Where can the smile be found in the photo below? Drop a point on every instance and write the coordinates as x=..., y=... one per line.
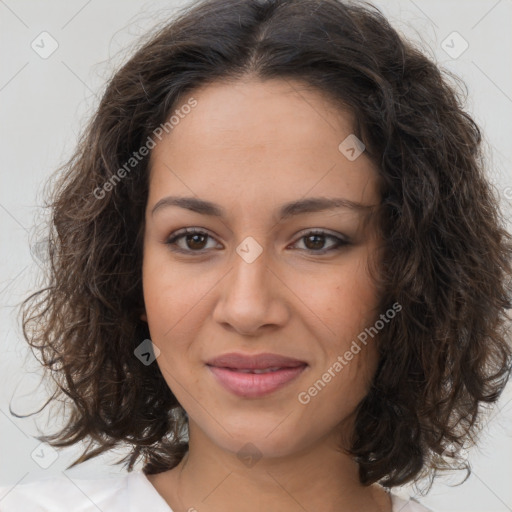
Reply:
x=254, y=383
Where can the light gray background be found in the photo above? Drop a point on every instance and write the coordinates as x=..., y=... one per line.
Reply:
x=44, y=103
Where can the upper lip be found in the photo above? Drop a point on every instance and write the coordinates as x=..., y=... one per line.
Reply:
x=254, y=361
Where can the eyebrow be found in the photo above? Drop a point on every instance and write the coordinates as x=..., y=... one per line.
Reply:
x=301, y=206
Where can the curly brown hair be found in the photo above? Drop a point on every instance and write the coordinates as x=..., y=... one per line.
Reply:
x=446, y=260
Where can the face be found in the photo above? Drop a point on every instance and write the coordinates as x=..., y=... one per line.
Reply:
x=253, y=277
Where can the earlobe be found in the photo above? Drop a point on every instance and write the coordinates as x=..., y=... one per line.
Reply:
x=144, y=317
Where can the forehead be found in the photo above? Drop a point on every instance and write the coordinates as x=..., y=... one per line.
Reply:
x=277, y=136
x=240, y=114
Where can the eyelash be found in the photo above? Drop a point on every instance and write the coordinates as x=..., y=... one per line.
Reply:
x=171, y=241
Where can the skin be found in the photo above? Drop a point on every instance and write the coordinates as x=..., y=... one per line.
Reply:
x=251, y=146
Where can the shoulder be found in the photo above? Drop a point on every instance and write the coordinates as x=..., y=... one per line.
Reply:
x=407, y=505
x=62, y=492
x=124, y=493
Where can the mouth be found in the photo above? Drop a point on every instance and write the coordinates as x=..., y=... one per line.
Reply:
x=257, y=371
x=255, y=376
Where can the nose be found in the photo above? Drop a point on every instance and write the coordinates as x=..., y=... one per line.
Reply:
x=252, y=297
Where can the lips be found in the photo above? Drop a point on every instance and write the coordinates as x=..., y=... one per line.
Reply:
x=254, y=362
x=255, y=376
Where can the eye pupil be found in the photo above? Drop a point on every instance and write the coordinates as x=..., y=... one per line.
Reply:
x=195, y=237
x=317, y=244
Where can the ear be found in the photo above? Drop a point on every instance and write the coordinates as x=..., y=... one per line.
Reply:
x=144, y=317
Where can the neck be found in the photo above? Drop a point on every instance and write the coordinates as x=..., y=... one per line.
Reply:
x=316, y=478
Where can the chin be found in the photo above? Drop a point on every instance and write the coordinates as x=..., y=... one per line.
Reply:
x=266, y=439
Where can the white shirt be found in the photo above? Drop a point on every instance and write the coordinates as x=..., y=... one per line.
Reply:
x=130, y=492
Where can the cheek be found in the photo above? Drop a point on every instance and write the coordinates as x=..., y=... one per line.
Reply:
x=356, y=311
x=333, y=392
x=176, y=305
x=171, y=297
x=344, y=299
x=169, y=305
x=347, y=303
x=164, y=307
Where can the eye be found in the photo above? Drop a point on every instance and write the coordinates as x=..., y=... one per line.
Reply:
x=315, y=241
x=194, y=240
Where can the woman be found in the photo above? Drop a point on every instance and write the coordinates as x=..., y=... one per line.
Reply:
x=278, y=272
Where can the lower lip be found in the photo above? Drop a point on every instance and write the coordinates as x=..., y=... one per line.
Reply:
x=253, y=385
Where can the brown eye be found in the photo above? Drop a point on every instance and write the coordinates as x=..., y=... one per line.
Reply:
x=196, y=241
x=192, y=240
x=189, y=240
x=314, y=241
